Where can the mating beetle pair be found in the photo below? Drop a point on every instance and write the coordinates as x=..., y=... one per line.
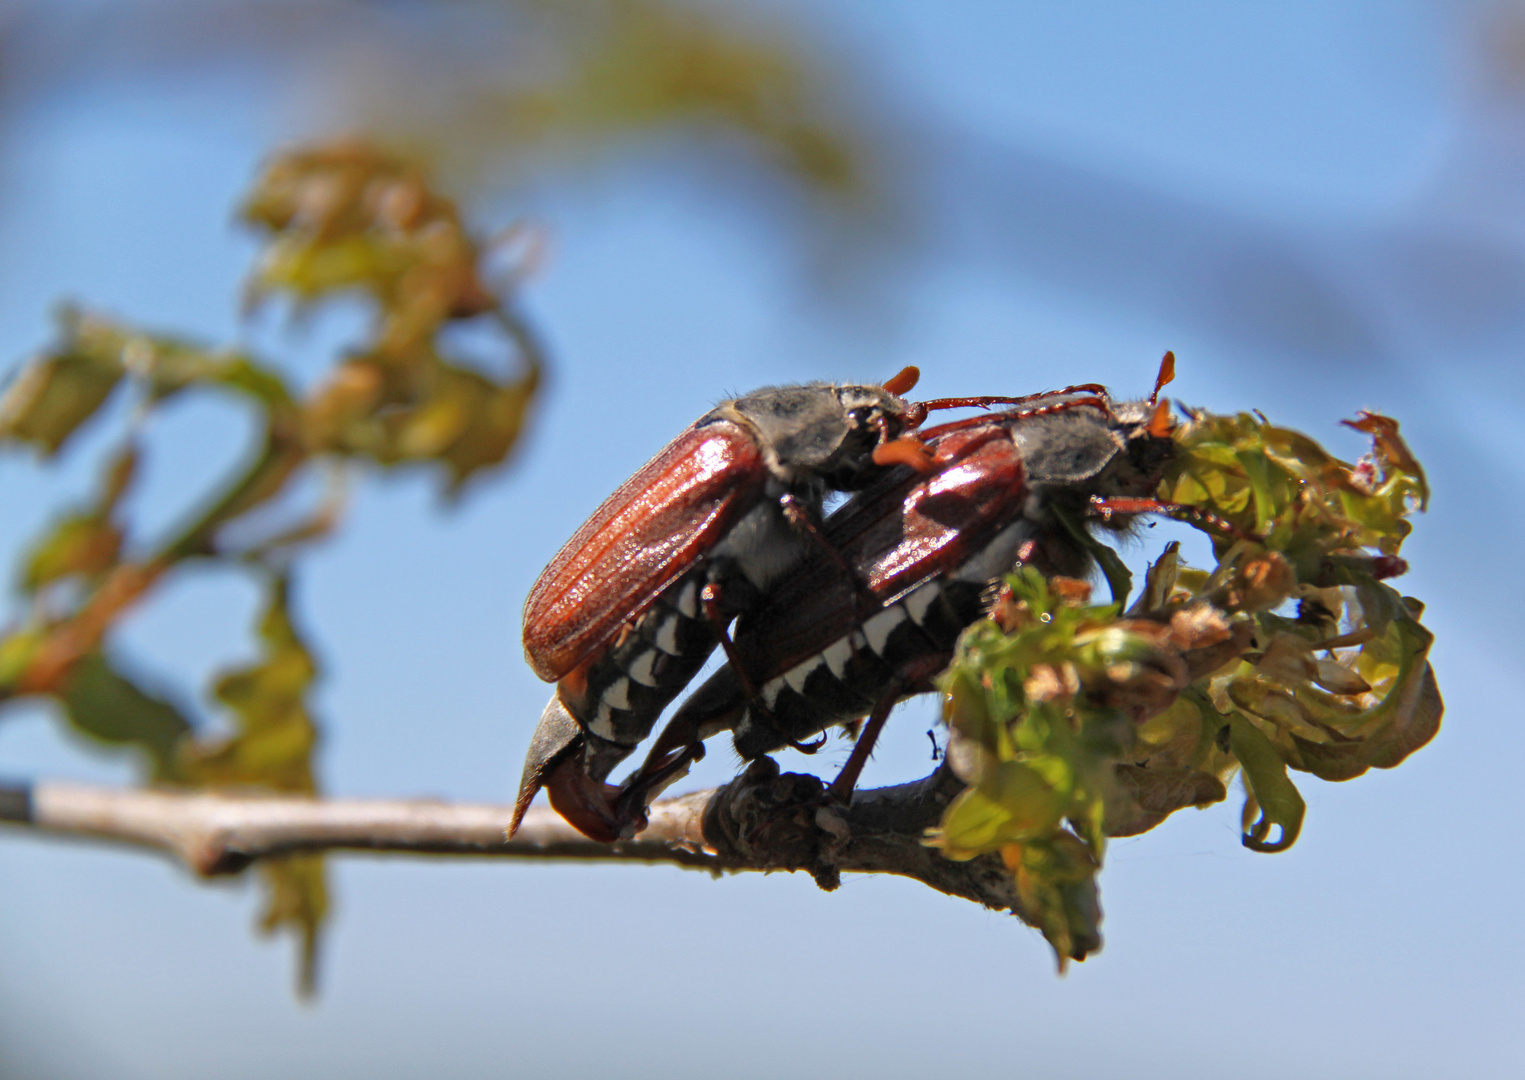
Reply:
x=836, y=621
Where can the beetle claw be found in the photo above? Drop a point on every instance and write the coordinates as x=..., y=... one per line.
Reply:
x=810, y=747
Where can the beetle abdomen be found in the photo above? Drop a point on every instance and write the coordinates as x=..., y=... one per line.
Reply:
x=621, y=692
x=844, y=681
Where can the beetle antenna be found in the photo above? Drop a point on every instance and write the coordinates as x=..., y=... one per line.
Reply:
x=904, y=381
x=1167, y=373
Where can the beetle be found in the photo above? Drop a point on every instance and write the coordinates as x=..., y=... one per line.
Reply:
x=1005, y=490
x=634, y=603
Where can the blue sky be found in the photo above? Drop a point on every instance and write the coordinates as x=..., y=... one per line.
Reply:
x=1317, y=206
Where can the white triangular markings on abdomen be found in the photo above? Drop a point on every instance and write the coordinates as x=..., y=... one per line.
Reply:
x=878, y=629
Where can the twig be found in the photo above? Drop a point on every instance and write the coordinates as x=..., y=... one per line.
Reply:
x=760, y=821
x=216, y=833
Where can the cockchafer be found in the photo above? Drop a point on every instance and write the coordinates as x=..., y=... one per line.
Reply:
x=632, y=606
x=827, y=649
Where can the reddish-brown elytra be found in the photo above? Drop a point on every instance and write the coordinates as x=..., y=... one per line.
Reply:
x=631, y=607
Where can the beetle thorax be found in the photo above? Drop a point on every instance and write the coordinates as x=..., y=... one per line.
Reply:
x=818, y=431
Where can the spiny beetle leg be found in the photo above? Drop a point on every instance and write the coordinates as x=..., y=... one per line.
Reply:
x=915, y=676
x=1106, y=507
x=985, y=402
x=1091, y=401
x=800, y=517
x=710, y=599
x=841, y=789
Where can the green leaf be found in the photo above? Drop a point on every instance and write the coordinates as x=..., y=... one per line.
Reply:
x=79, y=544
x=1265, y=774
x=54, y=396
x=1119, y=577
x=272, y=748
x=107, y=706
x=1014, y=802
x=1056, y=882
x=275, y=735
x=296, y=899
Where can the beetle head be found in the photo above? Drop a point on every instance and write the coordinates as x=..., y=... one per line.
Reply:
x=1146, y=428
x=1088, y=446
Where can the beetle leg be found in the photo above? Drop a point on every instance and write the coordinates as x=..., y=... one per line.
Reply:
x=914, y=675
x=1106, y=507
x=1090, y=401
x=985, y=402
x=709, y=599
x=798, y=516
x=635, y=797
x=841, y=789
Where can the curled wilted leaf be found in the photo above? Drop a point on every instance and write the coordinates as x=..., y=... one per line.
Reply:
x=1274, y=796
x=1397, y=459
x=1405, y=716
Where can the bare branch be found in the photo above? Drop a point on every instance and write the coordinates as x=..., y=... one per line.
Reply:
x=762, y=820
x=222, y=833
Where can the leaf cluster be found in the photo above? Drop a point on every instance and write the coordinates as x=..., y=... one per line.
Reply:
x=1071, y=722
x=341, y=221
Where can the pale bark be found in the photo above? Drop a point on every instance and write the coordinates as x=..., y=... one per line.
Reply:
x=760, y=821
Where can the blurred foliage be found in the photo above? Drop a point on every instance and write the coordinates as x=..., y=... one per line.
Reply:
x=1072, y=721
x=502, y=94
x=340, y=220
x=597, y=74
x=492, y=91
